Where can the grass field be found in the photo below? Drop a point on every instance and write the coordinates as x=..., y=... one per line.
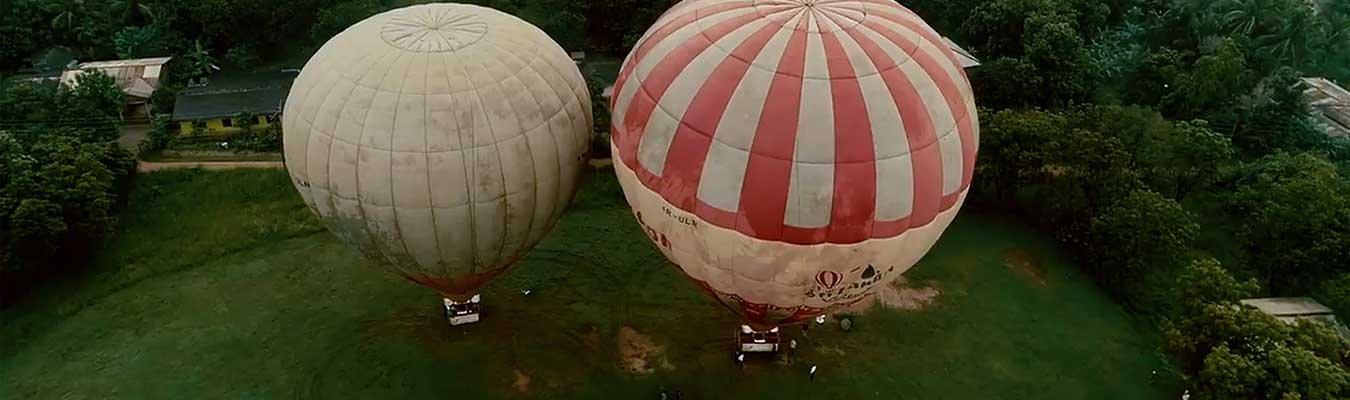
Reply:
x=220, y=285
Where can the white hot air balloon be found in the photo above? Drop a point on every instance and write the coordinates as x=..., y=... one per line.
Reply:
x=442, y=141
x=791, y=155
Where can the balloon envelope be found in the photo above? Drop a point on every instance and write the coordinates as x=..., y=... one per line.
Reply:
x=791, y=155
x=442, y=140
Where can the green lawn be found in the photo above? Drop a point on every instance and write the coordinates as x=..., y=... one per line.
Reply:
x=220, y=285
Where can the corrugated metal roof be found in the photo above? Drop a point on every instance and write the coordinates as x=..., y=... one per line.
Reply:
x=1330, y=104
x=138, y=62
x=1289, y=306
x=229, y=94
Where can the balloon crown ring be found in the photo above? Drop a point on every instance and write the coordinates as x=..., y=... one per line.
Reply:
x=433, y=30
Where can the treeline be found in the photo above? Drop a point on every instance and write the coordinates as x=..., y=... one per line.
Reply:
x=1168, y=146
x=61, y=176
x=229, y=30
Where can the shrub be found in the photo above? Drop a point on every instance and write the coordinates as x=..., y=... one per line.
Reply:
x=1141, y=235
x=161, y=135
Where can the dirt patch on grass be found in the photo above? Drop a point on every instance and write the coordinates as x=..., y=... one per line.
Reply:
x=639, y=354
x=1026, y=264
x=898, y=295
x=522, y=382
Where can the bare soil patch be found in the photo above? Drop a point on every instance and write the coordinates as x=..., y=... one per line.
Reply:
x=899, y=296
x=639, y=354
x=1024, y=263
x=522, y=382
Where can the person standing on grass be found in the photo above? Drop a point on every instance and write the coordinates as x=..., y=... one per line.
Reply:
x=740, y=360
x=813, y=372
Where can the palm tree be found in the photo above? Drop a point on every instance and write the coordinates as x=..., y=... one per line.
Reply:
x=1291, y=39
x=136, y=14
x=1247, y=16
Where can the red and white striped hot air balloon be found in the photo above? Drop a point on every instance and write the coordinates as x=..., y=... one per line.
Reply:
x=790, y=155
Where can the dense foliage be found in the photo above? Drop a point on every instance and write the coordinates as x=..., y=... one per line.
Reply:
x=1199, y=145
x=60, y=174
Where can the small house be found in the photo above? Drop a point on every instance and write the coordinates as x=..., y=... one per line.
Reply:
x=1330, y=106
x=139, y=78
x=1292, y=309
x=213, y=107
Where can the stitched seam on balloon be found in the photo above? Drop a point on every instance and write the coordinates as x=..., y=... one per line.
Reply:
x=501, y=172
x=529, y=228
x=426, y=158
x=393, y=197
x=360, y=205
x=506, y=203
x=561, y=75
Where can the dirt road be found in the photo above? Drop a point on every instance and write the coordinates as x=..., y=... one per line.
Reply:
x=209, y=165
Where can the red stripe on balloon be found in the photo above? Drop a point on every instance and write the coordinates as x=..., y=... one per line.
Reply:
x=714, y=215
x=925, y=154
x=915, y=24
x=689, y=148
x=889, y=229
x=627, y=137
x=666, y=30
x=659, y=80
x=855, y=172
x=768, y=171
x=951, y=93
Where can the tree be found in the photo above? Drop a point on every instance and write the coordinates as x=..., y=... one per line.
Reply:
x=93, y=105
x=243, y=57
x=1216, y=80
x=84, y=24
x=334, y=19
x=1204, y=282
x=1226, y=375
x=1173, y=158
x=97, y=92
x=1138, y=243
x=139, y=42
x=1013, y=154
x=1037, y=51
x=1292, y=214
x=614, y=35
x=1185, y=157
x=1085, y=172
x=1335, y=293
x=60, y=174
x=1153, y=78
x=195, y=63
x=1247, y=17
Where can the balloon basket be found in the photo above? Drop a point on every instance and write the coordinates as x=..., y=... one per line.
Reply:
x=461, y=313
x=754, y=341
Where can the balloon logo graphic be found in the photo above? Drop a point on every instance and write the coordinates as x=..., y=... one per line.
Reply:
x=828, y=279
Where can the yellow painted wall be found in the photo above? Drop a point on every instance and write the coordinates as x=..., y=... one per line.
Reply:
x=217, y=126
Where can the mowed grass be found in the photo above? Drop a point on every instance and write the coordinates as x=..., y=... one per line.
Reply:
x=220, y=285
